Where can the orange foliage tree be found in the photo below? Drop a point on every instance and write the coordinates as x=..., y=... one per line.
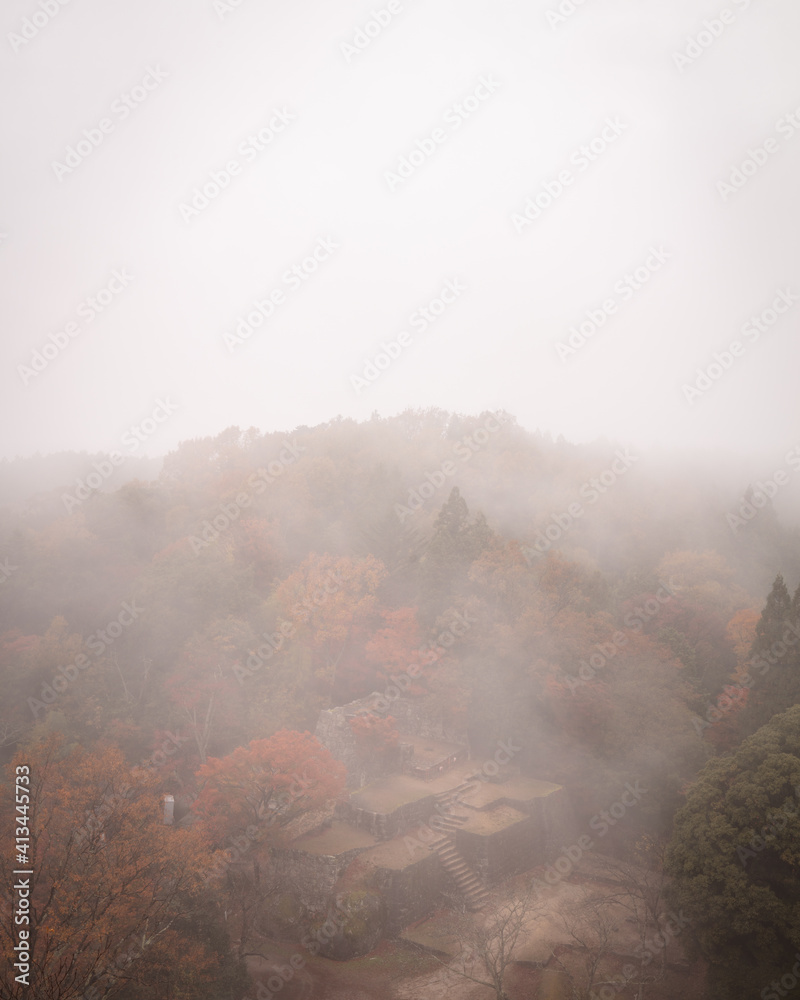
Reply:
x=353, y=641
x=200, y=688
x=741, y=630
x=266, y=785
x=250, y=798
x=113, y=889
x=395, y=646
x=374, y=735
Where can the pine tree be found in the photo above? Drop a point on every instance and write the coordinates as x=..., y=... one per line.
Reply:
x=735, y=861
x=457, y=541
x=774, y=663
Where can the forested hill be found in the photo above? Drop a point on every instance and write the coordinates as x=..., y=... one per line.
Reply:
x=153, y=599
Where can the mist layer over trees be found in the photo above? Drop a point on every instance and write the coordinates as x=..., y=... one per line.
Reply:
x=627, y=623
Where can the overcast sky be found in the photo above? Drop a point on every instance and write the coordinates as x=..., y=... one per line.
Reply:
x=118, y=114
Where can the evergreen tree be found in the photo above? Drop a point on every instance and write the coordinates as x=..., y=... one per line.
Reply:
x=774, y=663
x=735, y=861
x=399, y=547
x=776, y=613
x=457, y=541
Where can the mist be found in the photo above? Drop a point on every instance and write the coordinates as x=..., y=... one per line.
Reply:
x=399, y=539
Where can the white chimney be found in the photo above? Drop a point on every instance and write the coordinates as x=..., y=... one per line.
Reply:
x=169, y=805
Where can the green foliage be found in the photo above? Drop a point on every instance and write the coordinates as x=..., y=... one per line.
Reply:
x=775, y=656
x=735, y=858
x=456, y=543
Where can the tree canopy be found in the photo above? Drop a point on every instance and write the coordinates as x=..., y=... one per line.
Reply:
x=735, y=858
x=115, y=894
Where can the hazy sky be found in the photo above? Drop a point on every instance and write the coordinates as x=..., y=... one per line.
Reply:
x=157, y=100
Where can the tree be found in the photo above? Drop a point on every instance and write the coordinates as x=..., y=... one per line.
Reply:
x=456, y=543
x=775, y=659
x=196, y=694
x=563, y=586
x=252, y=798
x=591, y=926
x=582, y=713
x=394, y=646
x=777, y=611
x=258, y=546
x=635, y=892
x=487, y=942
x=398, y=545
x=113, y=892
x=18, y=654
x=735, y=859
x=741, y=630
x=334, y=607
x=267, y=784
x=201, y=690
x=374, y=735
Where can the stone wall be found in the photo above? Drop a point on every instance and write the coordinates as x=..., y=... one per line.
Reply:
x=412, y=893
x=500, y=855
x=554, y=816
x=312, y=876
x=413, y=716
x=384, y=826
x=427, y=770
x=334, y=732
x=406, y=895
x=423, y=717
x=514, y=849
x=417, y=890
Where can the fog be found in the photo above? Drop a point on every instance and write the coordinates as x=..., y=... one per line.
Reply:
x=399, y=536
x=209, y=78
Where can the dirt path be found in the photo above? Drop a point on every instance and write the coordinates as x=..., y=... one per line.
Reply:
x=391, y=972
